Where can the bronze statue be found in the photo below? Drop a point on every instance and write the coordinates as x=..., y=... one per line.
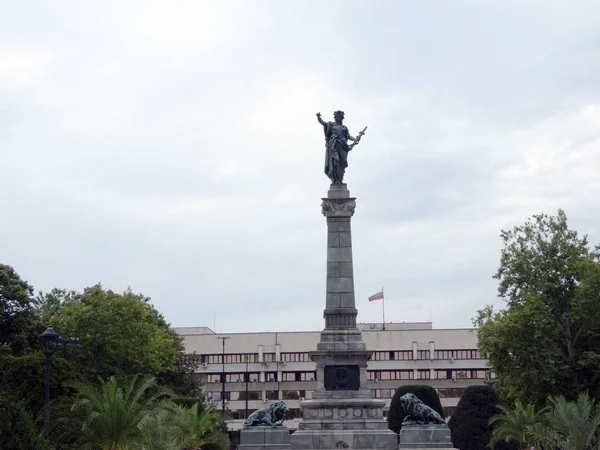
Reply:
x=336, y=146
x=417, y=412
x=271, y=416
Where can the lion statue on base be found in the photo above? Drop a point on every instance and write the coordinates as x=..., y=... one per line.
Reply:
x=417, y=412
x=271, y=416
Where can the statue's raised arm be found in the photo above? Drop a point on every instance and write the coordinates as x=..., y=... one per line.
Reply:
x=321, y=121
x=336, y=146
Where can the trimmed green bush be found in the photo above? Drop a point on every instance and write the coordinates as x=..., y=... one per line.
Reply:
x=426, y=394
x=469, y=425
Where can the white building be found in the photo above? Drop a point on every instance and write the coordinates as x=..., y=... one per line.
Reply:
x=260, y=367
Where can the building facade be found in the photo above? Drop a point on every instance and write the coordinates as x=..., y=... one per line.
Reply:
x=261, y=367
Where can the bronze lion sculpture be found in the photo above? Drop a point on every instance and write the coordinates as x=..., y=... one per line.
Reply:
x=271, y=416
x=417, y=412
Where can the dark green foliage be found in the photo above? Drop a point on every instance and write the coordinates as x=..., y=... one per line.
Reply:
x=17, y=430
x=22, y=377
x=545, y=341
x=426, y=394
x=188, y=402
x=182, y=380
x=469, y=425
x=18, y=326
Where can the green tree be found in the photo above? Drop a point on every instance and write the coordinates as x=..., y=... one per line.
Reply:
x=22, y=377
x=17, y=318
x=120, y=334
x=469, y=425
x=17, y=430
x=571, y=425
x=545, y=342
x=108, y=416
x=518, y=423
x=426, y=394
x=49, y=304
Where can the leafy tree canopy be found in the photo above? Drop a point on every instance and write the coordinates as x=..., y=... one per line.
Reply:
x=17, y=318
x=426, y=394
x=120, y=334
x=545, y=342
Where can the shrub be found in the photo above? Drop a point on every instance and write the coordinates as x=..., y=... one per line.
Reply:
x=469, y=425
x=426, y=394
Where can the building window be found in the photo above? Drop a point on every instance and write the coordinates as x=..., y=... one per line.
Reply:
x=230, y=358
x=217, y=396
x=457, y=354
x=376, y=375
x=214, y=378
x=270, y=376
x=291, y=395
x=268, y=357
x=234, y=378
x=404, y=355
x=252, y=395
x=272, y=395
x=298, y=376
x=462, y=374
x=295, y=357
x=423, y=374
x=390, y=355
x=382, y=393
x=422, y=354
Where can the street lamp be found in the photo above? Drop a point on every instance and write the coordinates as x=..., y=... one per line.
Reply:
x=50, y=343
x=247, y=379
x=223, y=338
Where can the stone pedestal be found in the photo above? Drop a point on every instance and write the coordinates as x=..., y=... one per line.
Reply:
x=425, y=436
x=342, y=412
x=258, y=438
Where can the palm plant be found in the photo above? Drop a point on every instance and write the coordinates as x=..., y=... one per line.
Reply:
x=517, y=424
x=108, y=417
x=572, y=425
x=198, y=427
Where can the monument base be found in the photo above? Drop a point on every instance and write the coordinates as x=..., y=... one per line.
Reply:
x=344, y=439
x=414, y=437
x=343, y=423
x=259, y=438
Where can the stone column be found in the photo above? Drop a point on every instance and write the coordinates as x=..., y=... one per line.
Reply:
x=340, y=311
x=342, y=412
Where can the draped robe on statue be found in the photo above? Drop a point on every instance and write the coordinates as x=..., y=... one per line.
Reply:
x=336, y=151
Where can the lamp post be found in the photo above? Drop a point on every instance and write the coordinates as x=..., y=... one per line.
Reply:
x=50, y=342
x=223, y=338
x=247, y=380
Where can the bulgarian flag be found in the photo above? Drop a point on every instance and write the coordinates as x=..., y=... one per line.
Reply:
x=376, y=296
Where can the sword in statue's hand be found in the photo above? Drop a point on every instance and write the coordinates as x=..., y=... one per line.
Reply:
x=360, y=135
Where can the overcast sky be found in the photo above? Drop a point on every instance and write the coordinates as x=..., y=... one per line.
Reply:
x=173, y=147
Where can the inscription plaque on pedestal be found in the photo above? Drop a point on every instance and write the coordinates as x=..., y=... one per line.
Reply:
x=342, y=378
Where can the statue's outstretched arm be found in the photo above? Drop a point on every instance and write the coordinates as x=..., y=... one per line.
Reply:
x=321, y=121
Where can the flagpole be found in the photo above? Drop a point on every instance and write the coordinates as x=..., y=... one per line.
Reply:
x=383, y=306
